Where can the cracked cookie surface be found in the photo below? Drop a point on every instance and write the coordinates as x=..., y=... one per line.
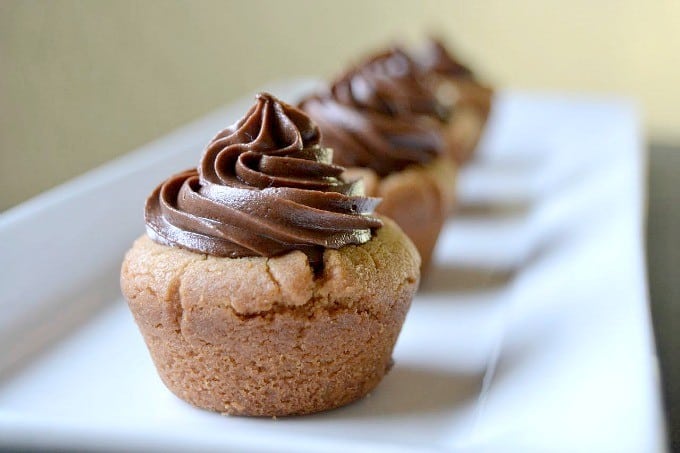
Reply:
x=268, y=336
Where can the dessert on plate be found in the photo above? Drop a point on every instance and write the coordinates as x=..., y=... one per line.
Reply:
x=265, y=285
x=385, y=125
x=463, y=95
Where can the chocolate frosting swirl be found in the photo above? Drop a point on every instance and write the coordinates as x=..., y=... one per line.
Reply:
x=263, y=187
x=391, y=83
x=372, y=116
x=437, y=59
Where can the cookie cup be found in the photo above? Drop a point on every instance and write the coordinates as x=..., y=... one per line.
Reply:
x=269, y=336
x=418, y=198
x=471, y=105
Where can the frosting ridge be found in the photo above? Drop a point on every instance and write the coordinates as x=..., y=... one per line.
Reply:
x=264, y=186
x=380, y=114
x=437, y=59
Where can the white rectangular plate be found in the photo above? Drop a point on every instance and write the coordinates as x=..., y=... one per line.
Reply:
x=532, y=331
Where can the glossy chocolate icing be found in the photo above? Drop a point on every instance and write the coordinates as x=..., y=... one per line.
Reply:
x=380, y=115
x=435, y=58
x=264, y=187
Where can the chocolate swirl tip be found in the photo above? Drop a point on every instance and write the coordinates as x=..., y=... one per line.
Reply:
x=264, y=186
x=436, y=58
x=390, y=82
x=380, y=114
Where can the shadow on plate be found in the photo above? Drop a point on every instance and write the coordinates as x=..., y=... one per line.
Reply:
x=408, y=390
x=445, y=278
x=491, y=210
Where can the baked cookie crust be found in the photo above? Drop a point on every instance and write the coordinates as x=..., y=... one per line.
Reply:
x=267, y=336
x=418, y=198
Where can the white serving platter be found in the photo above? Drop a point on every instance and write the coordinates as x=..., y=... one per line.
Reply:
x=532, y=332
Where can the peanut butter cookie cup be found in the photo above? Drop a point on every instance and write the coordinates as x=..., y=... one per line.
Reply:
x=265, y=285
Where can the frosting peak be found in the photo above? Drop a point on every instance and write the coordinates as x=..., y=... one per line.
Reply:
x=263, y=187
x=437, y=59
x=380, y=115
x=391, y=83
x=269, y=127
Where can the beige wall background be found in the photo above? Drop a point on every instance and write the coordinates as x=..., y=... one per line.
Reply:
x=84, y=81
